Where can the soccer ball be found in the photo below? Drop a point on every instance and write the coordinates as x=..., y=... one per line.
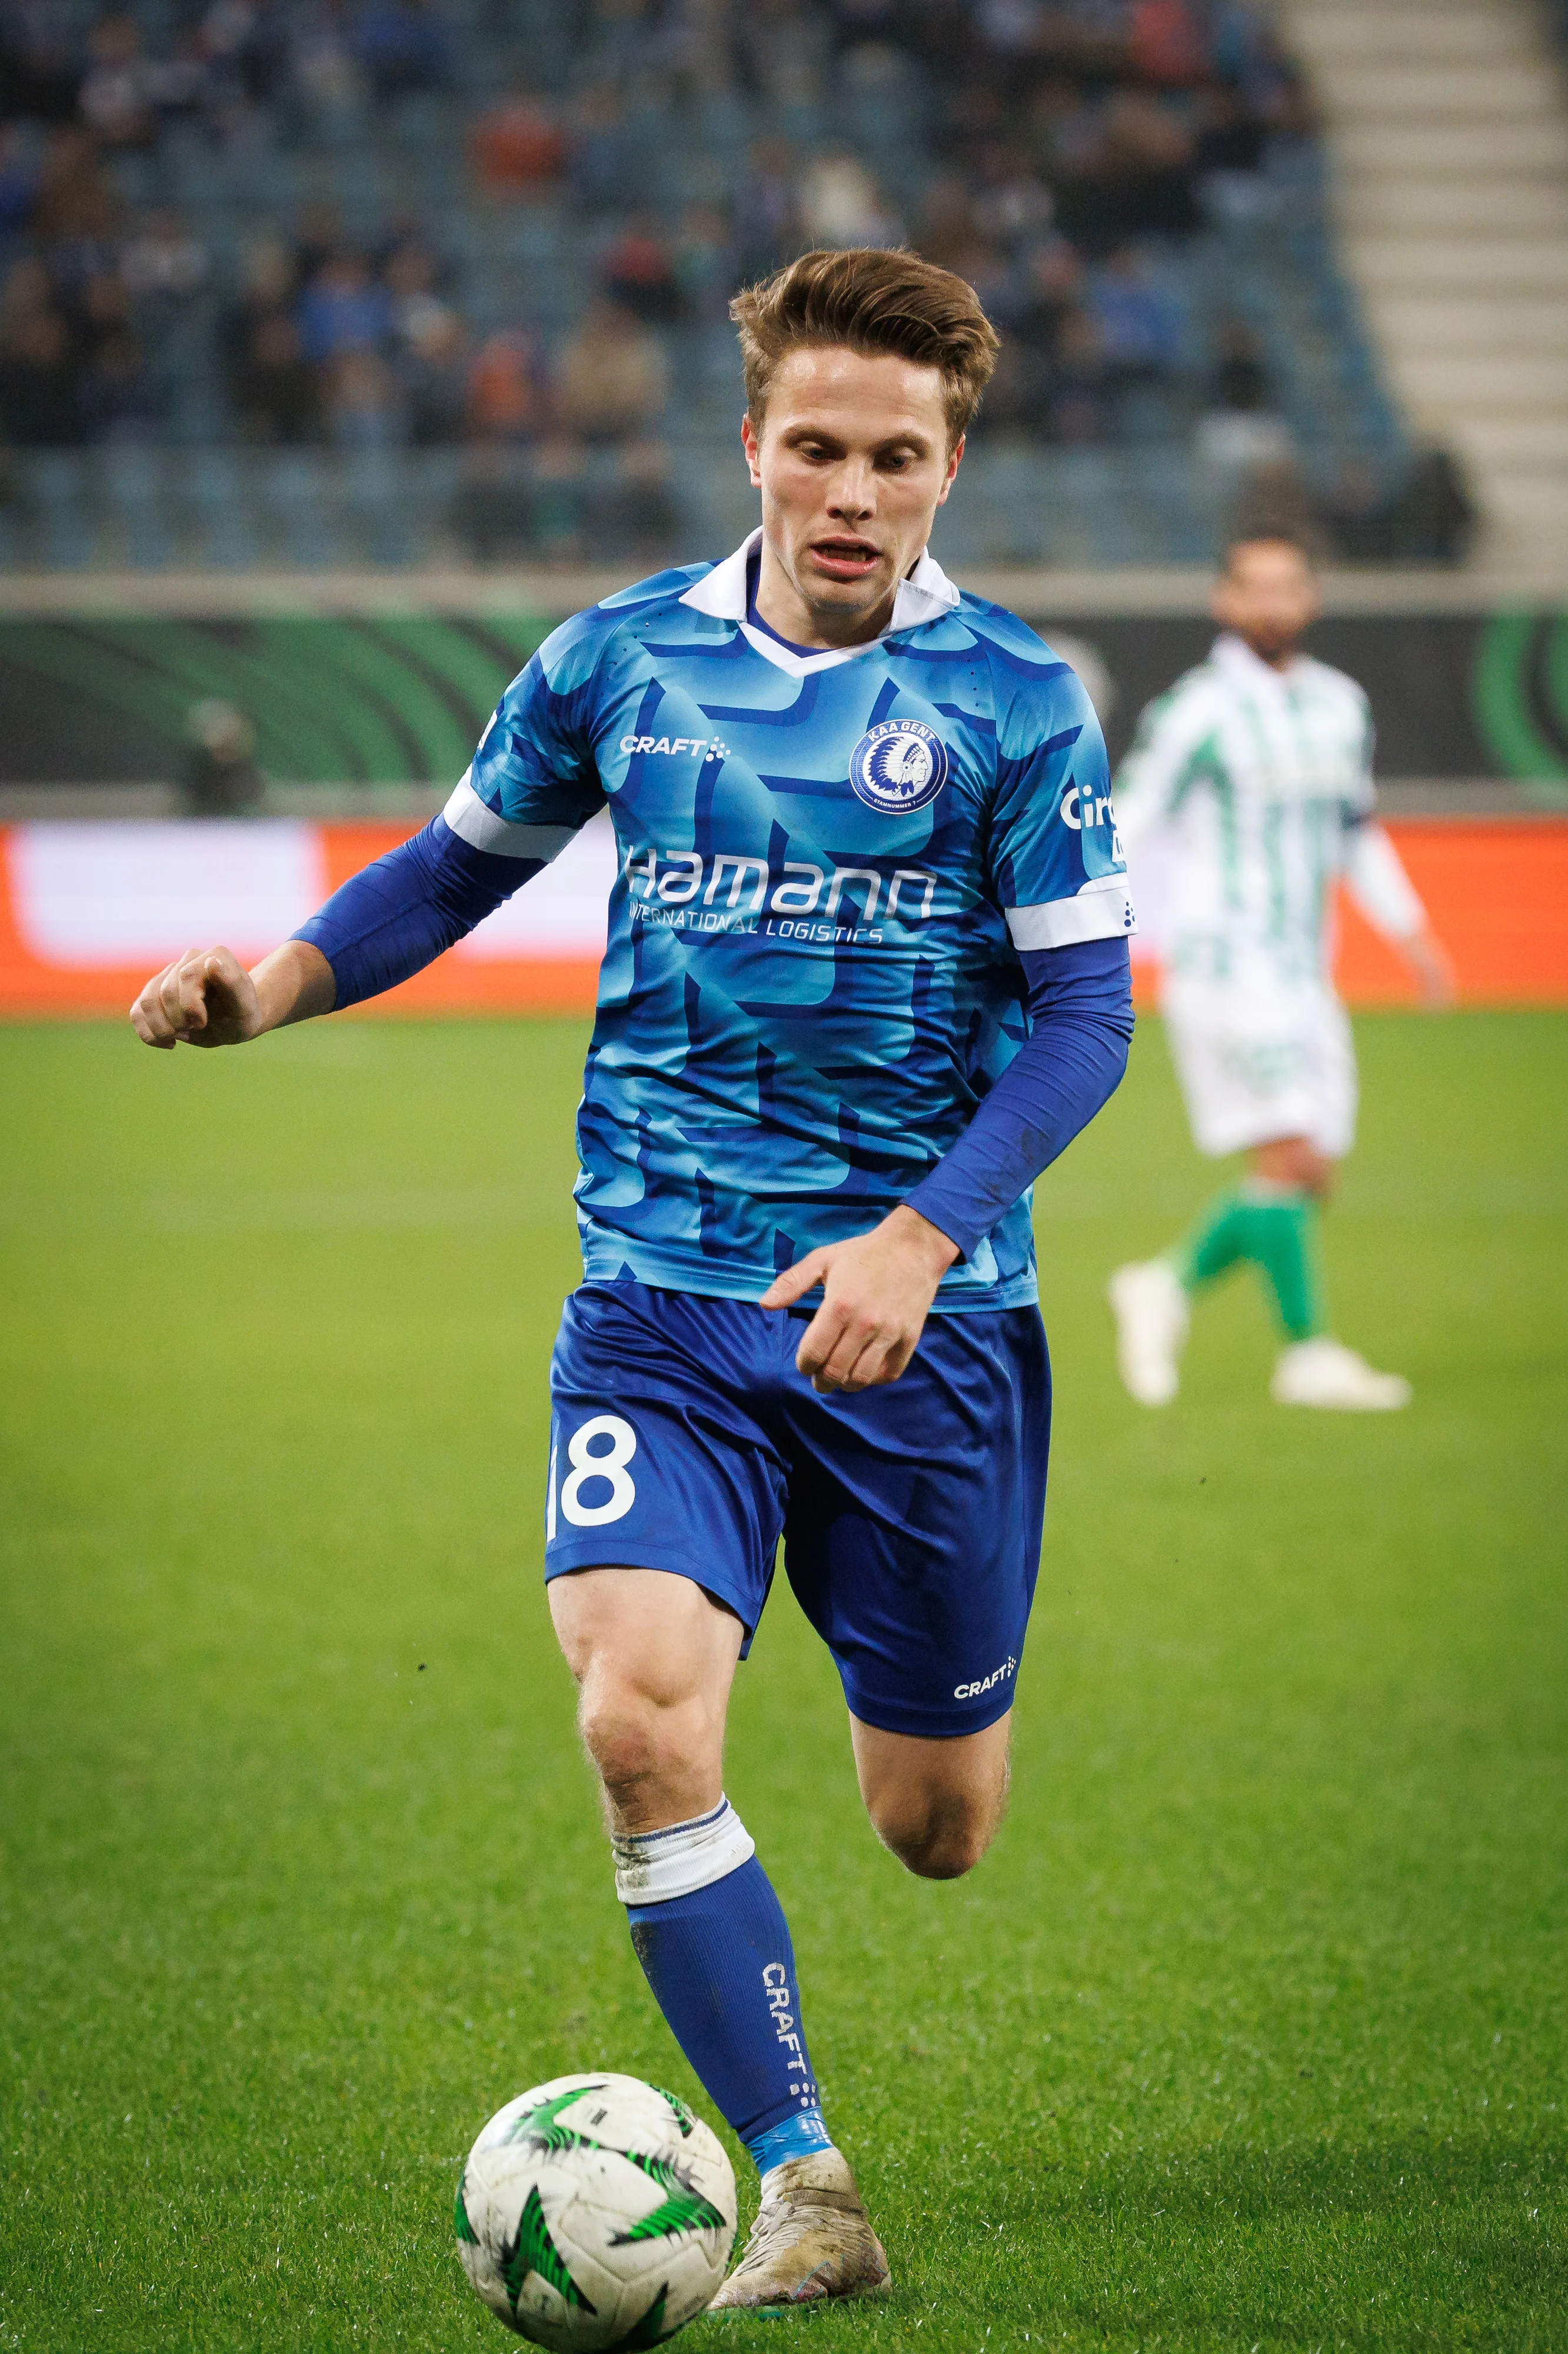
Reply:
x=596, y=2213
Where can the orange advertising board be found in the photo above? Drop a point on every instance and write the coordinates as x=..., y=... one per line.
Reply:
x=88, y=911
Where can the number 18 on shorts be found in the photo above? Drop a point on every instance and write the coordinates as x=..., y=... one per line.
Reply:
x=684, y=1438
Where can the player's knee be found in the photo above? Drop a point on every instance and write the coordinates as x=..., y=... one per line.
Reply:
x=639, y=1740
x=941, y=1840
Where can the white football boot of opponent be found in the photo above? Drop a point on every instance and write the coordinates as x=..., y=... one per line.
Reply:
x=1324, y=1372
x=812, y=2238
x=1151, y=1320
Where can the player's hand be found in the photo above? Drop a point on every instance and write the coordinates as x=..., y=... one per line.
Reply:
x=204, y=997
x=877, y=1291
x=1434, y=969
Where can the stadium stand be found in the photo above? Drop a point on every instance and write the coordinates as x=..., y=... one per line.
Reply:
x=385, y=282
x=1449, y=135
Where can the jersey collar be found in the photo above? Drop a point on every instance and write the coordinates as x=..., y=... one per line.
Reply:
x=1233, y=652
x=923, y=596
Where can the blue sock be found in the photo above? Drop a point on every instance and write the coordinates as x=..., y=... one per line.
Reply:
x=714, y=1947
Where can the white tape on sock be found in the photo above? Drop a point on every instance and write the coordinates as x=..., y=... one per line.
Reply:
x=652, y=1867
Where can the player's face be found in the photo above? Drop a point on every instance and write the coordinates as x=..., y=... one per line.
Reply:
x=853, y=463
x=1269, y=596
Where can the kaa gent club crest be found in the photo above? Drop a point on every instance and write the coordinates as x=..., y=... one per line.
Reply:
x=898, y=767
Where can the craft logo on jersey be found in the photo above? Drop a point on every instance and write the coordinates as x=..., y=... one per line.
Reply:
x=898, y=767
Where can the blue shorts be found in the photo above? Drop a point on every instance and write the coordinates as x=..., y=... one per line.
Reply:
x=683, y=1438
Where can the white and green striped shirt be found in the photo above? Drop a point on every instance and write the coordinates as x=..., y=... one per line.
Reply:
x=1237, y=805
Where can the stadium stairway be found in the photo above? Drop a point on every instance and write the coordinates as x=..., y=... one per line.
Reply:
x=1447, y=126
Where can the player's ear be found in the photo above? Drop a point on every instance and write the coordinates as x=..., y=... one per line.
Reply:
x=753, y=449
x=954, y=456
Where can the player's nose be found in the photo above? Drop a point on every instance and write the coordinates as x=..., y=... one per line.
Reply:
x=852, y=497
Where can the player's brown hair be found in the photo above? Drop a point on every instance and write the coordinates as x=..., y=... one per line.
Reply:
x=872, y=302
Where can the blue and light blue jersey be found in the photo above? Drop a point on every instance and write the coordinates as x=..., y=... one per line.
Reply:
x=828, y=866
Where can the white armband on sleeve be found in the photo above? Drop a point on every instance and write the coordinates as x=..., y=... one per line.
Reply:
x=1379, y=886
x=480, y=826
x=1100, y=911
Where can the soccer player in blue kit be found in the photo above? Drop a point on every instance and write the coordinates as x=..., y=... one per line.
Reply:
x=867, y=975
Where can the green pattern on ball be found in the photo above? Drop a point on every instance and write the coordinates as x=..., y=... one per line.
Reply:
x=682, y=2114
x=538, y=2128
x=534, y=2251
x=465, y=2229
x=684, y=2208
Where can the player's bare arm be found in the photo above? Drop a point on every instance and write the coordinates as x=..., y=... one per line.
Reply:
x=206, y=998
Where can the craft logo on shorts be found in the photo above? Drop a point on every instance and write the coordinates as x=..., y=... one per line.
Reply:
x=898, y=767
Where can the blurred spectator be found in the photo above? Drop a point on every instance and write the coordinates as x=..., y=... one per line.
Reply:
x=639, y=273
x=403, y=46
x=632, y=518
x=702, y=256
x=841, y=204
x=1231, y=136
x=40, y=381
x=767, y=228
x=950, y=229
x=164, y=262
x=1078, y=411
x=433, y=372
x=119, y=401
x=117, y=93
x=1139, y=321
x=611, y=377
x=1275, y=501
x=19, y=180
x=325, y=70
x=492, y=512
x=505, y=400
x=1138, y=181
x=343, y=310
x=1429, y=517
x=218, y=775
x=39, y=77
x=1033, y=315
x=1168, y=42
x=1434, y=517
x=1240, y=429
x=1241, y=380
x=241, y=54
x=517, y=148
x=363, y=409
x=513, y=507
x=608, y=165
x=1013, y=207
x=317, y=237
x=276, y=393
x=74, y=200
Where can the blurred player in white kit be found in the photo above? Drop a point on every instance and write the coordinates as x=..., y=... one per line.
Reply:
x=1246, y=795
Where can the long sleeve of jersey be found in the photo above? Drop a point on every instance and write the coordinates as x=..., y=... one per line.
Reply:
x=1080, y=1012
x=406, y=909
x=1377, y=881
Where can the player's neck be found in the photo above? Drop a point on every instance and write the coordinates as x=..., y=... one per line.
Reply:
x=1275, y=658
x=780, y=604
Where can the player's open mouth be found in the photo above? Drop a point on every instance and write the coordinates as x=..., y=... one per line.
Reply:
x=845, y=559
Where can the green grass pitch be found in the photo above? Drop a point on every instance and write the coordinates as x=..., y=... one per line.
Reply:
x=1249, y=2034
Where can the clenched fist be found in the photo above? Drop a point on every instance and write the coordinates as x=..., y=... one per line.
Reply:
x=208, y=997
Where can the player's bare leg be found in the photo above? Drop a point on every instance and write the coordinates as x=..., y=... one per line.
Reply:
x=937, y=1804
x=655, y=1658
